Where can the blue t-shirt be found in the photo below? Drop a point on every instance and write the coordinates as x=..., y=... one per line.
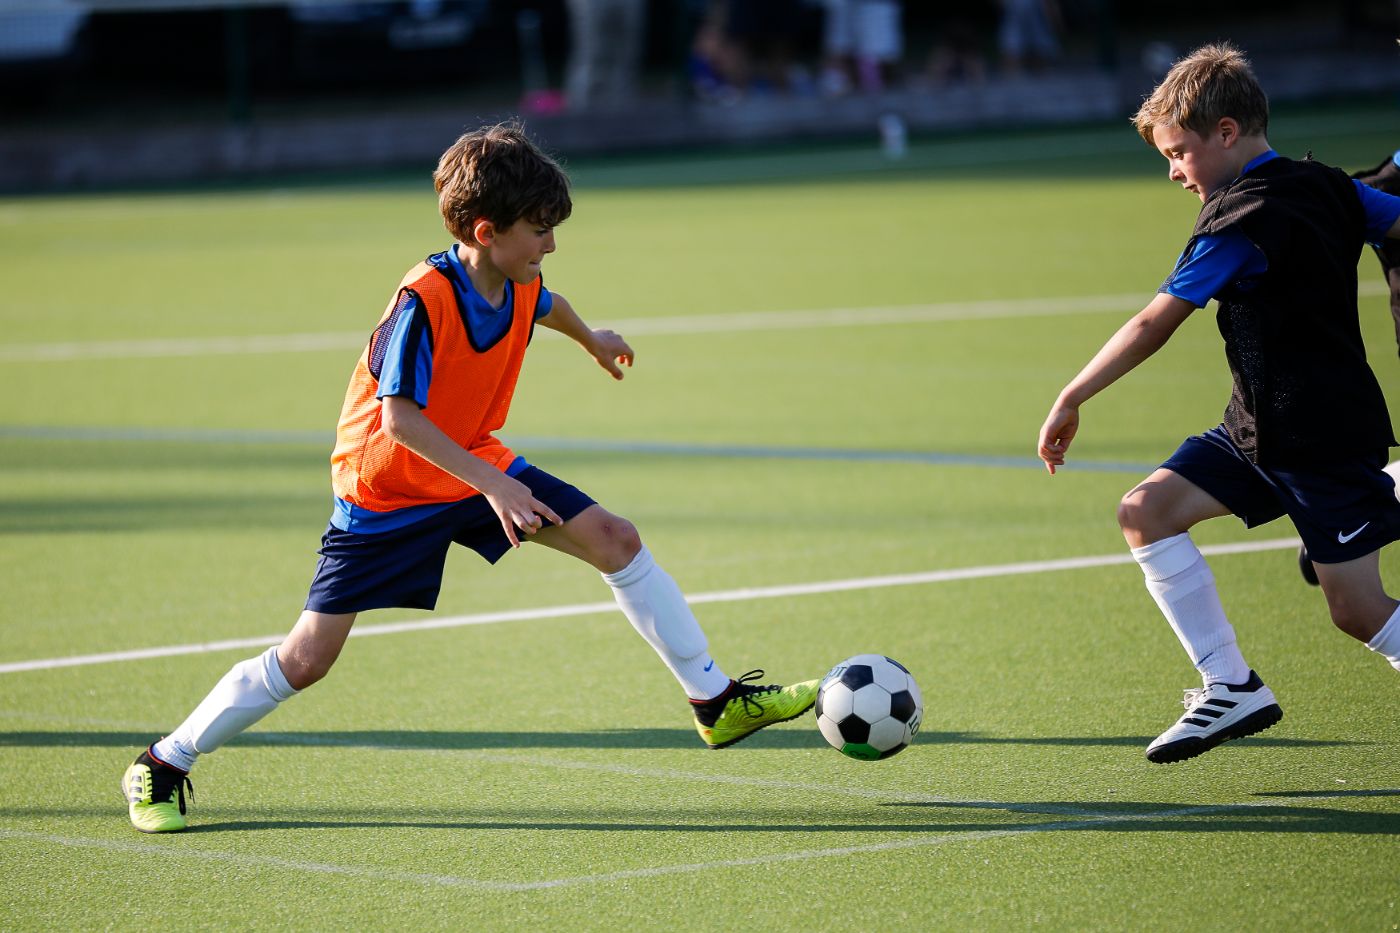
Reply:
x=1210, y=263
x=405, y=368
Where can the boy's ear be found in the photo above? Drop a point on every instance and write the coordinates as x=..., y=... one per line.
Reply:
x=484, y=232
x=1228, y=131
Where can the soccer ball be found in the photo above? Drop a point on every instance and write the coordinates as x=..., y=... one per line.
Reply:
x=869, y=707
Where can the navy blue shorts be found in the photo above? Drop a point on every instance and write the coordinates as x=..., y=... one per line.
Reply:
x=403, y=567
x=1343, y=510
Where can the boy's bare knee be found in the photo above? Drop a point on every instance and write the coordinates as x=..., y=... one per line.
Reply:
x=620, y=543
x=302, y=669
x=1135, y=514
x=1355, y=619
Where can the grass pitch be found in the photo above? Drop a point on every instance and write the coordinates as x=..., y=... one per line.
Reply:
x=842, y=366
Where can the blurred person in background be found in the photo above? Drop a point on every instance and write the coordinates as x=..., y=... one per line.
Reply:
x=957, y=53
x=864, y=39
x=762, y=37
x=605, y=53
x=1028, y=35
x=712, y=55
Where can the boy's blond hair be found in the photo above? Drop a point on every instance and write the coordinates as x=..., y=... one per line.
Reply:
x=1211, y=83
x=496, y=173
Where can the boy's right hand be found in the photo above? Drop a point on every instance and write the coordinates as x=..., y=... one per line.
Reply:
x=1055, y=435
x=518, y=509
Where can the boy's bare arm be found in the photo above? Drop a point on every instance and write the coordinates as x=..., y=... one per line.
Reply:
x=1135, y=341
x=511, y=499
x=605, y=346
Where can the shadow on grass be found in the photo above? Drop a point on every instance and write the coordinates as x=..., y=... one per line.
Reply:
x=954, y=819
x=1115, y=817
x=594, y=738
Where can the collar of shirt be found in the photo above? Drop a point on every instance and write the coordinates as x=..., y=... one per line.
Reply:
x=1251, y=165
x=478, y=304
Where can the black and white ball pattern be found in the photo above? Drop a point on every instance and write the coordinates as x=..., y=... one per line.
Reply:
x=869, y=707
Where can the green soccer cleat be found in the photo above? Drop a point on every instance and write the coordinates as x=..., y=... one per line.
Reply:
x=151, y=788
x=745, y=708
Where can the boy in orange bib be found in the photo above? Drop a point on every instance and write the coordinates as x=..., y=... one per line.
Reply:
x=417, y=467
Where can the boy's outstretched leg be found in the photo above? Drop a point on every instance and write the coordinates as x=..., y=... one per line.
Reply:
x=155, y=782
x=1233, y=702
x=726, y=711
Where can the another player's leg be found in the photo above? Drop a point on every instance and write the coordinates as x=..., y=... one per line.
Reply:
x=725, y=710
x=155, y=782
x=1360, y=606
x=1156, y=518
x=1305, y=564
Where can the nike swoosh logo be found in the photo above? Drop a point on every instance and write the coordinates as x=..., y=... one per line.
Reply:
x=1343, y=539
x=712, y=660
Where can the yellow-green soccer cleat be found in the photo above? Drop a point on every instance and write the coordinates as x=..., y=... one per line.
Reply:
x=745, y=708
x=155, y=793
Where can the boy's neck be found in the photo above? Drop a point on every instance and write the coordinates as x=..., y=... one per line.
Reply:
x=488, y=281
x=1248, y=149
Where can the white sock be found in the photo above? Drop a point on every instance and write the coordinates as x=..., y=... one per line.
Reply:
x=248, y=692
x=1387, y=641
x=654, y=605
x=1184, y=588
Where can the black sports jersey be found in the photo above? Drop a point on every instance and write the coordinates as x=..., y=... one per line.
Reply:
x=1303, y=390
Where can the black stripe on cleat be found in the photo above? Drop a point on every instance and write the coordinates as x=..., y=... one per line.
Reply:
x=1255, y=722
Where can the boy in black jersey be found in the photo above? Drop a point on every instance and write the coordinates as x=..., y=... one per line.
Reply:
x=1306, y=432
x=1383, y=177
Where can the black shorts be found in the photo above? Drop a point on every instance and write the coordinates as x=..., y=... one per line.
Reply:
x=1343, y=509
x=403, y=567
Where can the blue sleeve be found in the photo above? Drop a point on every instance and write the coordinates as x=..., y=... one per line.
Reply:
x=1210, y=263
x=401, y=352
x=1382, y=210
x=544, y=304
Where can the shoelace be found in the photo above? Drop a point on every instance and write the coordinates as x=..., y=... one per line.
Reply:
x=1192, y=695
x=162, y=787
x=745, y=690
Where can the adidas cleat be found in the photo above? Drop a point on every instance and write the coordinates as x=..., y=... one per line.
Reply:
x=745, y=708
x=155, y=793
x=1216, y=713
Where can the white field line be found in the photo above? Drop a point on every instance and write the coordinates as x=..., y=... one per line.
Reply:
x=179, y=850
x=687, y=324
x=578, y=609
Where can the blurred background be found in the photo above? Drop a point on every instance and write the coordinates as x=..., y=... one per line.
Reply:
x=100, y=93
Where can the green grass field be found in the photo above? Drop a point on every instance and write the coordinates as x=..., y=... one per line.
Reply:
x=842, y=366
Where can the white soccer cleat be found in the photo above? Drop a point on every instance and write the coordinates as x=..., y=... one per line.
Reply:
x=1215, y=714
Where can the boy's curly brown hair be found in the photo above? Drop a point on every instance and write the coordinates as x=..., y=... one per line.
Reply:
x=1211, y=83
x=496, y=173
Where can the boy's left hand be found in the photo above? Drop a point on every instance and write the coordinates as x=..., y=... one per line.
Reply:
x=609, y=349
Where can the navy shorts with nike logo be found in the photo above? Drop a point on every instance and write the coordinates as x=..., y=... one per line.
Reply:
x=403, y=567
x=1343, y=509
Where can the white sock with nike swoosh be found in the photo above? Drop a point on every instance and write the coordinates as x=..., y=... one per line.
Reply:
x=1387, y=641
x=653, y=603
x=1184, y=588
